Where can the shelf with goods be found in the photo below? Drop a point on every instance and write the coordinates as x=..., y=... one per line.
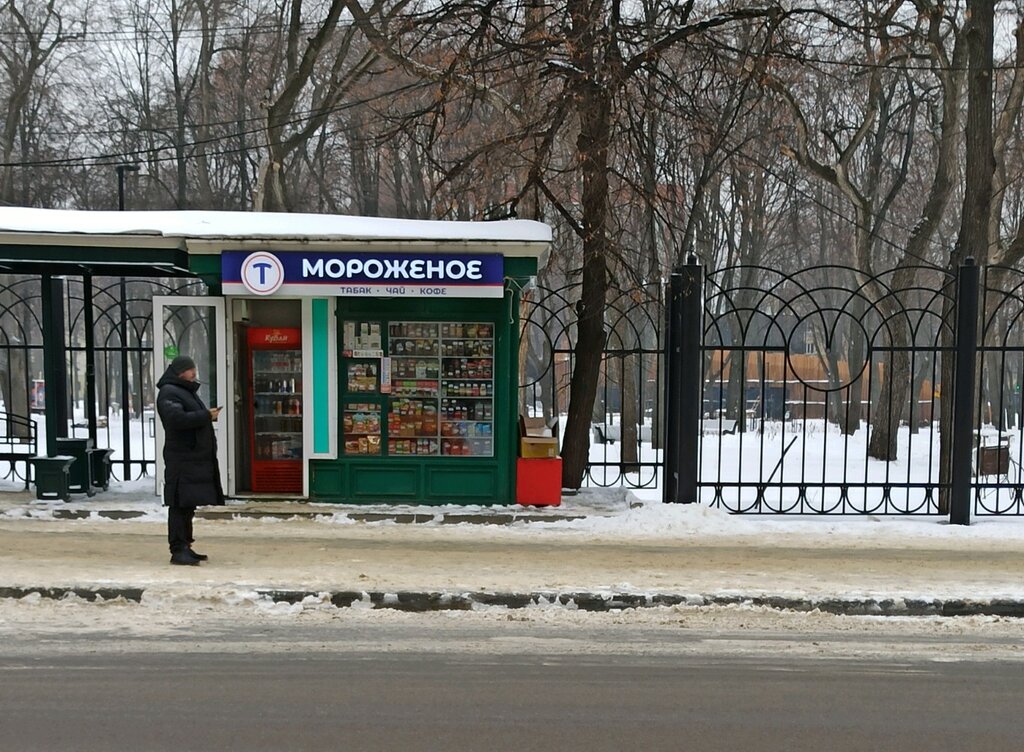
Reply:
x=414, y=367
x=413, y=426
x=277, y=445
x=277, y=404
x=467, y=389
x=414, y=349
x=362, y=376
x=467, y=369
x=456, y=447
x=425, y=389
x=361, y=427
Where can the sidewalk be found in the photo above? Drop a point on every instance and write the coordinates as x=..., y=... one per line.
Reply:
x=597, y=552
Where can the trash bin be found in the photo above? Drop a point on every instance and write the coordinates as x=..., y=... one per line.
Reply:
x=99, y=461
x=80, y=480
x=51, y=477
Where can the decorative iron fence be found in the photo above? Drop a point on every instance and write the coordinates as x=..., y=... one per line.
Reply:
x=821, y=390
x=625, y=428
x=830, y=391
x=998, y=452
x=122, y=340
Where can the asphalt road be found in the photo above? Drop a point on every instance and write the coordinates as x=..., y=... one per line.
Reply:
x=70, y=700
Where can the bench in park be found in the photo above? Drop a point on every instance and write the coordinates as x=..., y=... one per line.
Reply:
x=608, y=434
x=18, y=443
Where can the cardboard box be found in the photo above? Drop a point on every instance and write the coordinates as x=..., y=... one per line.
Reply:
x=538, y=447
x=537, y=438
x=539, y=482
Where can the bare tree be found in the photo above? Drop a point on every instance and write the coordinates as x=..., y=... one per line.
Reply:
x=301, y=82
x=871, y=153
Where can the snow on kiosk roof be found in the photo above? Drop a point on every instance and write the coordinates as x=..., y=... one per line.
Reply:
x=211, y=231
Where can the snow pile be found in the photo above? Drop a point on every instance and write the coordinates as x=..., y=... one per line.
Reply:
x=245, y=225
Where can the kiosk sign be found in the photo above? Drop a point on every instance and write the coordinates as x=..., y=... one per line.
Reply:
x=262, y=273
x=396, y=275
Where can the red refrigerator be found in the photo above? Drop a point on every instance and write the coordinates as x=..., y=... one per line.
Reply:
x=275, y=385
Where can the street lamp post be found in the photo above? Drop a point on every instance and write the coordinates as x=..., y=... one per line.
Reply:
x=121, y=170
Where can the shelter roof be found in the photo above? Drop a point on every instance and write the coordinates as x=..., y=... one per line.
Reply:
x=133, y=243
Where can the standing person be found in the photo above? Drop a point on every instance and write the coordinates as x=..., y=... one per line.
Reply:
x=191, y=471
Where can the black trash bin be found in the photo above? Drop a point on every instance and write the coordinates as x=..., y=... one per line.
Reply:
x=99, y=459
x=80, y=480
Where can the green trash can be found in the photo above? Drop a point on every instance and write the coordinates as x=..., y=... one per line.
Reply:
x=99, y=459
x=51, y=477
x=80, y=480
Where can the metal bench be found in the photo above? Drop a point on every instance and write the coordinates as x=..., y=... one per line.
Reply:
x=717, y=426
x=609, y=434
x=18, y=443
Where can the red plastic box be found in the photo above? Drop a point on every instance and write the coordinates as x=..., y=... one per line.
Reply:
x=539, y=481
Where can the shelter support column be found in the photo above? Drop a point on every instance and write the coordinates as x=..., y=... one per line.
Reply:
x=55, y=369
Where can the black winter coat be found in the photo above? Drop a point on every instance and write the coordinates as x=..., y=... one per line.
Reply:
x=191, y=471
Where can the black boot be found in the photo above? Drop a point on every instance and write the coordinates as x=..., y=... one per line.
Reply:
x=201, y=557
x=185, y=558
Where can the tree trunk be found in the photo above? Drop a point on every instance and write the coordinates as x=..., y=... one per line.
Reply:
x=856, y=354
x=631, y=414
x=892, y=399
x=594, y=110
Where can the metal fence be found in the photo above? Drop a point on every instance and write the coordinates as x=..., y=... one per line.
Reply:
x=625, y=427
x=821, y=390
x=120, y=320
x=830, y=391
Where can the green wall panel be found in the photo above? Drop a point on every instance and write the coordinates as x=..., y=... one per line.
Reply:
x=383, y=480
x=467, y=482
x=326, y=480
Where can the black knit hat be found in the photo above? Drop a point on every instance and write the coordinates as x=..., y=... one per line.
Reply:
x=181, y=364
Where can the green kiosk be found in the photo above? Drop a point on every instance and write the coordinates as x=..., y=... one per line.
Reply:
x=398, y=382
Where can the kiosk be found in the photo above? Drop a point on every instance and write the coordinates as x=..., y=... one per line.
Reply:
x=391, y=373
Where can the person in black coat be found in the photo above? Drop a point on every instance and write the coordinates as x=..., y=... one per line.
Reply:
x=191, y=471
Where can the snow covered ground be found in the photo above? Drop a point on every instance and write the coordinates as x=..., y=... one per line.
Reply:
x=808, y=454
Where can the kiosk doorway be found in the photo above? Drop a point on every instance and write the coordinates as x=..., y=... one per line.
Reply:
x=268, y=452
x=192, y=326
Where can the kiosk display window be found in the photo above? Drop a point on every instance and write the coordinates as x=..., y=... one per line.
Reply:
x=435, y=380
x=362, y=429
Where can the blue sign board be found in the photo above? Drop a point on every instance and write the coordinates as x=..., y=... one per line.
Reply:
x=416, y=275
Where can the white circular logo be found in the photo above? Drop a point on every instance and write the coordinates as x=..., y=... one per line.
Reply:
x=262, y=273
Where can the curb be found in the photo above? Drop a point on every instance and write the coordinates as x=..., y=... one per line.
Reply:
x=425, y=601
x=397, y=517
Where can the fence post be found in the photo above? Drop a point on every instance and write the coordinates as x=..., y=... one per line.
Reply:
x=964, y=367
x=683, y=399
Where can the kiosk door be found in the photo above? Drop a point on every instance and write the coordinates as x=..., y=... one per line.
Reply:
x=193, y=326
